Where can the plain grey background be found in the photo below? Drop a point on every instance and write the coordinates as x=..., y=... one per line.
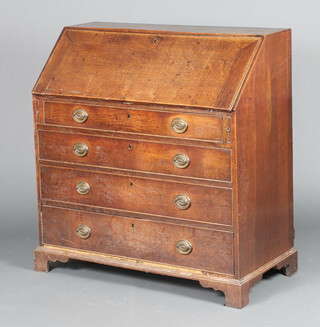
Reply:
x=83, y=294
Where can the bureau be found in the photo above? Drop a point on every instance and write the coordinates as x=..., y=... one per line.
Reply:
x=167, y=149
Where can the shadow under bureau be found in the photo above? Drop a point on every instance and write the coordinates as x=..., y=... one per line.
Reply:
x=168, y=149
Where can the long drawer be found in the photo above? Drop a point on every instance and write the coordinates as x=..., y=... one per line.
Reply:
x=153, y=241
x=162, y=198
x=160, y=158
x=188, y=126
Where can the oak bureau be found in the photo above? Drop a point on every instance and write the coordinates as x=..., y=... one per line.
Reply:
x=168, y=149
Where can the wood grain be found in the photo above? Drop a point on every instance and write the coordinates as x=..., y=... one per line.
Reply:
x=226, y=144
x=209, y=204
x=212, y=250
x=201, y=127
x=208, y=163
x=264, y=157
x=198, y=71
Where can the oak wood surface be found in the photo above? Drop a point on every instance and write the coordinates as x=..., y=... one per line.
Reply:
x=211, y=250
x=139, y=215
x=208, y=163
x=206, y=71
x=208, y=204
x=263, y=142
x=131, y=173
x=135, y=121
x=225, y=144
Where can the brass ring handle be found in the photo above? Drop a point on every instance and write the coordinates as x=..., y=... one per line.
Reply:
x=80, y=149
x=182, y=201
x=83, y=231
x=184, y=247
x=181, y=160
x=83, y=188
x=80, y=116
x=179, y=125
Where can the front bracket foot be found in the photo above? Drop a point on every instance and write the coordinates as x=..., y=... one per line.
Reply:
x=42, y=260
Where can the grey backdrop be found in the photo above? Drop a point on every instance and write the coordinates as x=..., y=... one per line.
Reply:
x=82, y=294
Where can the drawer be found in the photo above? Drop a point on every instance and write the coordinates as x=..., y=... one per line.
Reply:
x=189, y=126
x=135, y=238
x=161, y=198
x=199, y=162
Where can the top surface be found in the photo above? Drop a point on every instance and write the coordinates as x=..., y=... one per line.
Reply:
x=249, y=31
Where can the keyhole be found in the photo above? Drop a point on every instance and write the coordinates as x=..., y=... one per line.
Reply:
x=154, y=40
x=129, y=147
x=131, y=184
x=129, y=116
x=132, y=225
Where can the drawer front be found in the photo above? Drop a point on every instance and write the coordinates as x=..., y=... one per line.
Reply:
x=207, y=163
x=135, y=238
x=208, y=204
x=189, y=126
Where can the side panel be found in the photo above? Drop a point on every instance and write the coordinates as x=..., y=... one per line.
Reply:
x=264, y=157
